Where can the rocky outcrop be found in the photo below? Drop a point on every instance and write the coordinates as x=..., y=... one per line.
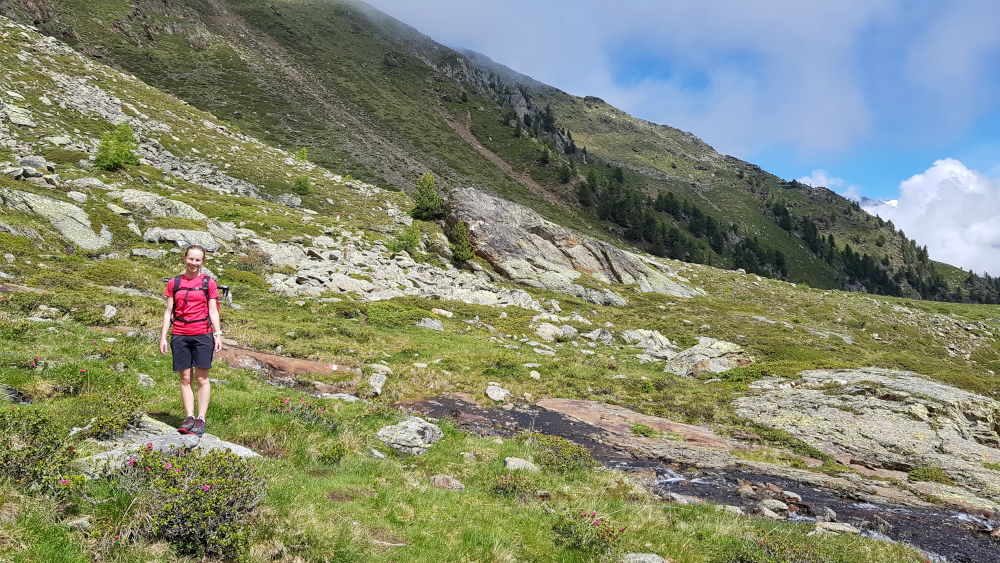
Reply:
x=708, y=356
x=889, y=421
x=523, y=246
x=412, y=436
x=72, y=222
x=182, y=237
x=156, y=205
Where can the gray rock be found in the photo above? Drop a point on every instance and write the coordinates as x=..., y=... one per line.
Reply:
x=442, y=481
x=151, y=253
x=110, y=311
x=433, y=324
x=376, y=454
x=548, y=332
x=37, y=162
x=497, y=393
x=78, y=197
x=12, y=395
x=887, y=421
x=518, y=464
x=160, y=437
x=89, y=182
x=774, y=505
x=534, y=374
x=145, y=380
x=654, y=343
x=442, y=313
x=376, y=381
x=379, y=368
x=837, y=528
x=80, y=523
x=526, y=248
x=181, y=237
x=156, y=205
x=413, y=435
x=642, y=558
x=346, y=397
x=17, y=116
x=71, y=221
x=824, y=514
x=284, y=254
x=708, y=356
x=601, y=335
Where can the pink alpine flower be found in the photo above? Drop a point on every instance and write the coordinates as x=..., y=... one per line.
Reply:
x=65, y=482
x=168, y=466
x=206, y=487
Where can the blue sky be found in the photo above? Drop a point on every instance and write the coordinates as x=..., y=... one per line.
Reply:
x=862, y=94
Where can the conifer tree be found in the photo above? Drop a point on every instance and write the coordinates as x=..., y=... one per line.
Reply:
x=428, y=204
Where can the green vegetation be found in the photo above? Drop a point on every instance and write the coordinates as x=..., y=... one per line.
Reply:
x=407, y=240
x=301, y=186
x=930, y=473
x=117, y=149
x=461, y=246
x=427, y=204
x=644, y=430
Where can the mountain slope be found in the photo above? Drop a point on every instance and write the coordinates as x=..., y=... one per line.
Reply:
x=373, y=97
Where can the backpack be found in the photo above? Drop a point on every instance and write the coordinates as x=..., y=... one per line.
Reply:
x=223, y=289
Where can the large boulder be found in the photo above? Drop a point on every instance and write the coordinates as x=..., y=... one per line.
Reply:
x=708, y=356
x=72, y=222
x=182, y=237
x=412, y=436
x=526, y=248
x=885, y=421
x=156, y=205
x=654, y=343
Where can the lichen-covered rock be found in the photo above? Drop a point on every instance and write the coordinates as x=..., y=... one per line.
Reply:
x=523, y=246
x=497, y=393
x=181, y=237
x=412, y=436
x=708, y=356
x=72, y=222
x=518, y=464
x=654, y=343
x=156, y=205
x=886, y=419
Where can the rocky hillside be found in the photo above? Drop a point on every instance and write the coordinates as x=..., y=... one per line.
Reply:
x=555, y=380
x=374, y=98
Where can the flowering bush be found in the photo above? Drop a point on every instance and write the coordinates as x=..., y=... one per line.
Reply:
x=201, y=503
x=514, y=485
x=589, y=532
x=559, y=454
x=34, y=453
x=306, y=410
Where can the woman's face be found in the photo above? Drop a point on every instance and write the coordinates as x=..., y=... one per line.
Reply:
x=193, y=259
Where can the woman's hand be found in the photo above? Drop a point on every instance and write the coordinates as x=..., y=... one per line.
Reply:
x=218, y=343
x=163, y=346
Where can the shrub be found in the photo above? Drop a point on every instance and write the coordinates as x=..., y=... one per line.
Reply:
x=301, y=185
x=117, y=415
x=428, y=205
x=644, y=430
x=307, y=411
x=588, y=532
x=255, y=261
x=392, y=314
x=559, y=454
x=302, y=154
x=333, y=453
x=201, y=503
x=117, y=149
x=991, y=465
x=514, y=485
x=461, y=245
x=930, y=473
x=34, y=453
x=407, y=240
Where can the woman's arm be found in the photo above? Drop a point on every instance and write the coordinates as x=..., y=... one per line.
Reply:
x=166, y=324
x=213, y=315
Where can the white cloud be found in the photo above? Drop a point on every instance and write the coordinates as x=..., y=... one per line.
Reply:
x=955, y=211
x=812, y=77
x=823, y=179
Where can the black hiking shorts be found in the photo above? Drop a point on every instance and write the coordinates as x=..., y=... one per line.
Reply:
x=192, y=350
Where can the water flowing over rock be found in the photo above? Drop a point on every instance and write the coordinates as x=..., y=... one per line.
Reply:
x=72, y=222
x=709, y=356
x=885, y=422
x=523, y=246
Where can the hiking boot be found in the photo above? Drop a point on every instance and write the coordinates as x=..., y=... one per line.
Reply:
x=185, y=427
x=198, y=428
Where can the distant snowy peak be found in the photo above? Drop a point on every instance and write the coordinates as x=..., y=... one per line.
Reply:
x=869, y=203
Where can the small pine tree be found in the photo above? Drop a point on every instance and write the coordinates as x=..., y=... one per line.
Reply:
x=117, y=149
x=428, y=204
x=301, y=185
x=302, y=154
x=461, y=246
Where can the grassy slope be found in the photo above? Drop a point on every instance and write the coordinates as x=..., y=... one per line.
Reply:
x=299, y=513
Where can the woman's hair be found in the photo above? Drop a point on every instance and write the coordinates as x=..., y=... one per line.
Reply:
x=191, y=247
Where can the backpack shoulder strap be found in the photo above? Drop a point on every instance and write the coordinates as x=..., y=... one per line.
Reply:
x=177, y=285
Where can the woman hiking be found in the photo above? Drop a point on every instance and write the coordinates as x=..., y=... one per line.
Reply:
x=192, y=312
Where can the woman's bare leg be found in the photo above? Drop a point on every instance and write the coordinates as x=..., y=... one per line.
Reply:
x=187, y=394
x=204, y=390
